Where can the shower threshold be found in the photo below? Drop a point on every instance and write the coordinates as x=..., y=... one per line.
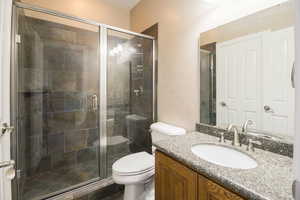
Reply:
x=77, y=191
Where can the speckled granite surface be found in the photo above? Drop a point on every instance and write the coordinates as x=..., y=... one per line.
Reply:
x=270, y=180
x=283, y=146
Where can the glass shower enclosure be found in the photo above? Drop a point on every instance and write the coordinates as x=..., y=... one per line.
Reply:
x=208, y=84
x=84, y=96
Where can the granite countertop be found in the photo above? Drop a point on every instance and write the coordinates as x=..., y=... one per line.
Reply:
x=270, y=180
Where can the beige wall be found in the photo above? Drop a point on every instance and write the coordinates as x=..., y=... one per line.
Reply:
x=96, y=10
x=178, y=73
x=275, y=18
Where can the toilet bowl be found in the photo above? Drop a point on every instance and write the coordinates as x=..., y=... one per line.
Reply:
x=136, y=171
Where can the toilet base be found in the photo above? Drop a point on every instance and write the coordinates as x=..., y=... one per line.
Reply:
x=139, y=191
x=135, y=191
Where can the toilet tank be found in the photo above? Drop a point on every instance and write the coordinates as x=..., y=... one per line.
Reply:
x=162, y=131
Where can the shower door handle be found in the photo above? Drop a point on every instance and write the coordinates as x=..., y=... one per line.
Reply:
x=4, y=128
x=94, y=102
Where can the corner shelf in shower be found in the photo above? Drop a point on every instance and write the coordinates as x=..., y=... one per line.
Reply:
x=31, y=93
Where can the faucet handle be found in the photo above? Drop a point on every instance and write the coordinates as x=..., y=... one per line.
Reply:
x=222, y=138
x=251, y=146
x=236, y=138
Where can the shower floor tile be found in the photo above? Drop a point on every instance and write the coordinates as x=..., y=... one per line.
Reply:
x=52, y=181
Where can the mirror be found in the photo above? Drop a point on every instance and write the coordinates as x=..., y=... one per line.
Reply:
x=246, y=72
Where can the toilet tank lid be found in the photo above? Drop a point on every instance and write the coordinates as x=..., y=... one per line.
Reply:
x=167, y=129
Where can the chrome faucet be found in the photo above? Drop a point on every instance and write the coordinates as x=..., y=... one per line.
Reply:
x=245, y=126
x=236, y=137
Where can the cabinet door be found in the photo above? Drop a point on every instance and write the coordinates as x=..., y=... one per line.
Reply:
x=173, y=181
x=209, y=190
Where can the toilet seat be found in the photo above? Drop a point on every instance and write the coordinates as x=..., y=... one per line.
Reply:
x=134, y=164
x=135, y=173
x=133, y=179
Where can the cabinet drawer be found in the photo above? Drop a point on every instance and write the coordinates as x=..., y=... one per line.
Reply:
x=209, y=190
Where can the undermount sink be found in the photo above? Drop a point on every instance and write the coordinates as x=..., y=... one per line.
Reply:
x=224, y=156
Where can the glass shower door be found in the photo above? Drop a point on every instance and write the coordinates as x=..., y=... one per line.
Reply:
x=129, y=94
x=57, y=95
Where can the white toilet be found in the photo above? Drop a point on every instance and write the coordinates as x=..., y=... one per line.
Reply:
x=136, y=171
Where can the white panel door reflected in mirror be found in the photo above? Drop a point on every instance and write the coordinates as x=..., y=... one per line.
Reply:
x=247, y=72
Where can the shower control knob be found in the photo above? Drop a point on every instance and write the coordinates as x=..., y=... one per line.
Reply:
x=136, y=92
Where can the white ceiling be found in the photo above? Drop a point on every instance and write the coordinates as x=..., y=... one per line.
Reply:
x=219, y=3
x=207, y=4
x=129, y=4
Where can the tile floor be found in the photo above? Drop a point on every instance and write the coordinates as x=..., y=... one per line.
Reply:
x=34, y=187
x=118, y=196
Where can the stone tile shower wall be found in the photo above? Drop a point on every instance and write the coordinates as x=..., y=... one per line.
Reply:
x=58, y=130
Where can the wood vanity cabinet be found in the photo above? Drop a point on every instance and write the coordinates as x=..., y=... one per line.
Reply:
x=175, y=181
x=209, y=190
